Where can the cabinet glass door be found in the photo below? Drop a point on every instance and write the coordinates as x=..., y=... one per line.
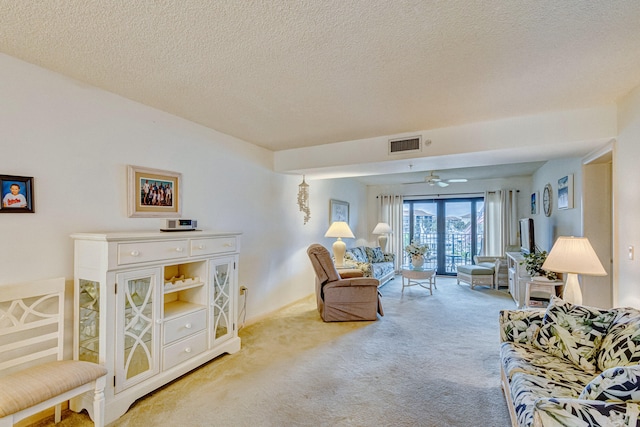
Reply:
x=89, y=321
x=222, y=313
x=137, y=327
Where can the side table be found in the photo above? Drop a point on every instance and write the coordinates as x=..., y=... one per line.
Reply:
x=548, y=287
x=421, y=276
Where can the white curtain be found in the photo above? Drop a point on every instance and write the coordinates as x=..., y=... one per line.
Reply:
x=500, y=221
x=390, y=211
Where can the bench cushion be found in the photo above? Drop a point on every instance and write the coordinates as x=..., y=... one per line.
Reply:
x=475, y=270
x=31, y=386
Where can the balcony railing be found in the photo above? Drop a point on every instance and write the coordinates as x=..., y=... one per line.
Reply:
x=457, y=250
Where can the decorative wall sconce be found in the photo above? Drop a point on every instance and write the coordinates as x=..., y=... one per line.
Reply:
x=303, y=200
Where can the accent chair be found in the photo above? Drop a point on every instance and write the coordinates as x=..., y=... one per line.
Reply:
x=343, y=299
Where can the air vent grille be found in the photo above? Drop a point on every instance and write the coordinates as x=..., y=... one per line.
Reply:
x=404, y=145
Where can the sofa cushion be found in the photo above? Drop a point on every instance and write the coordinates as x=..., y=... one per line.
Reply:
x=522, y=358
x=527, y=388
x=357, y=254
x=621, y=345
x=381, y=269
x=374, y=254
x=475, y=270
x=573, y=332
x=520, y=325
x=619, y=384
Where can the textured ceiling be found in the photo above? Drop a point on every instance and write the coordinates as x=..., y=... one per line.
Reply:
x=284, y=74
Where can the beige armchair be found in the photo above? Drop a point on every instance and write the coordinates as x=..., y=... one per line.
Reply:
x=499, y=266
x=355, y=298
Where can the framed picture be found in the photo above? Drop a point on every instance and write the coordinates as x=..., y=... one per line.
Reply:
x=338, y=211
x=17, y=194
x=565, y=192
x=535, y=198
x=154, y=193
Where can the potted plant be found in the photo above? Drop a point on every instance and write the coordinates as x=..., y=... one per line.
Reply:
x=533, y=264
x=417, y=253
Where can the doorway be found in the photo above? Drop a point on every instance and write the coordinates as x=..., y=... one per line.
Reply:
x=451, y=228
x=597, y=212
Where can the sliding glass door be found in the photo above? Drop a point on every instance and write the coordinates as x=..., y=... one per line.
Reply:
x=451, y=228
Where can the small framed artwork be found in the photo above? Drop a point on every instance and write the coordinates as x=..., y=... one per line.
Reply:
x=153, y=193
x=535, y=198
x=17, y=194
x=338, y=211
x=565, y=192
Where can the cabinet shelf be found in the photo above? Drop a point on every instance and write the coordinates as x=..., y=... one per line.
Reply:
x=168, y=289
x=178, y=308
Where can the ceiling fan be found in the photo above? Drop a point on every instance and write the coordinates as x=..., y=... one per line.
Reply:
x=433, y=179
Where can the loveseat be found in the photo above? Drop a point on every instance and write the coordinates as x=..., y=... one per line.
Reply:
x=372, y=261
x=571, y=365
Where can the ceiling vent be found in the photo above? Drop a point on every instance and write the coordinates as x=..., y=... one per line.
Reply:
x=406, y=145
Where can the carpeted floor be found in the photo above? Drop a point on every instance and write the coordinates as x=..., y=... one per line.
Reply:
x=432, y=360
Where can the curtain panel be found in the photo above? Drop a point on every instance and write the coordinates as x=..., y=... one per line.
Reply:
x=390, y=210
x=500, y=221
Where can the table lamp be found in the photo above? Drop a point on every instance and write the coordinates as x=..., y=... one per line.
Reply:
x=382, y=229
x=339, y=229
x=573, y=256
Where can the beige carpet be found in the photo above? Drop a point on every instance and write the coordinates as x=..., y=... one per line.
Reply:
x=430, y=361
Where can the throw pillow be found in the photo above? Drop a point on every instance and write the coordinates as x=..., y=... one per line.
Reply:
x=621, y=345
x=573, y=332
x=375, y=254
x=358, y=254
x=618, y=384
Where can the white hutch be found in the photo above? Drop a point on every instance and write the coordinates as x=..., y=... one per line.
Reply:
x=152, y=306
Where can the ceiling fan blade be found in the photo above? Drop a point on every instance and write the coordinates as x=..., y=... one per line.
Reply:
x=457, y=180
x=442, y=184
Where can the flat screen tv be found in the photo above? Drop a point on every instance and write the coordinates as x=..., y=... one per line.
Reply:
x=527, y=239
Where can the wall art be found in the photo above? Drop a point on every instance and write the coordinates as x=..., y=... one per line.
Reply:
x=338, y=211
x=154, y=193
x=535, y=201
x=17, y=194
x=565, y=192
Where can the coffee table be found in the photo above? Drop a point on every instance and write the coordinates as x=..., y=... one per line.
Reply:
x=420, y=276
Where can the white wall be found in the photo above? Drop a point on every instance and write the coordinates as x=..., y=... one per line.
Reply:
x=76, y=141
x=626, y=181
x=566, y=222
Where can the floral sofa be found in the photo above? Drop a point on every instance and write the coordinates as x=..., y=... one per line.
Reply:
x=571, y=365
x=372, y=261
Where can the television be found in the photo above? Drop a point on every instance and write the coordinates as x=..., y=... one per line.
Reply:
x=527, y=239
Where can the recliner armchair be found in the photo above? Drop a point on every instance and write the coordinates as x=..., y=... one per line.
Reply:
x=339, y=299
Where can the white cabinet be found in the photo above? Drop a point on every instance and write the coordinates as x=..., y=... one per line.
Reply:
x=151, y=307
x=518, y=278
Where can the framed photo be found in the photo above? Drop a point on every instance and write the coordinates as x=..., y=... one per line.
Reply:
x=535, y=200
x=17, y=194
x=565, y=192
x=338, y=211
x=154, y=193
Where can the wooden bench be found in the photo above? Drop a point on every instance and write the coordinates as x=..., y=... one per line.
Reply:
x=33, y=376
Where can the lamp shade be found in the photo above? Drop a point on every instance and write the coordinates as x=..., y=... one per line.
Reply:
x=339, y=229
x=574, y=255
x=382, y=228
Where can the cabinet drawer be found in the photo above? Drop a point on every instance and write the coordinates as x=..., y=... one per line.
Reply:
x=213, y=246
x=183, y=326
x=181, y=351
x=131, y=253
